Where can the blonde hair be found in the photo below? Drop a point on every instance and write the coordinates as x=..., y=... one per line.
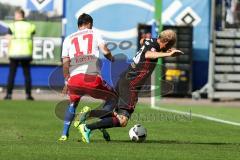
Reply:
x=168, y=36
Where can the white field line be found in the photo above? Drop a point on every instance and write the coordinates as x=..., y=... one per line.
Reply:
x=197, y=115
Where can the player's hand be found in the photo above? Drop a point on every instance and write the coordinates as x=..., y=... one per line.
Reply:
x=174, y=52
x=65, y=90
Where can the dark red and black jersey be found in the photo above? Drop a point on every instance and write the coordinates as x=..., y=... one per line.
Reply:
x=132, y=80
x=142, y=68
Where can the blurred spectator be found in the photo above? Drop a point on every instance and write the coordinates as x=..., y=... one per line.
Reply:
x=20, y=51
x=232, y=13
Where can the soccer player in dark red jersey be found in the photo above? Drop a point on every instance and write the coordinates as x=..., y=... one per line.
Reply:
x=131, y=80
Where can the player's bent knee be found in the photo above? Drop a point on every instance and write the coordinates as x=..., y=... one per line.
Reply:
x=123, y=120
x=124, y=124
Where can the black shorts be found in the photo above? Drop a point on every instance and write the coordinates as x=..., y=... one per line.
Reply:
x=127, y=94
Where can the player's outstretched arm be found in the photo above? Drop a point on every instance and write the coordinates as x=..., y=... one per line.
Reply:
x=66, y=64
x=66, y=74
x=169, y=53
x=107, y=53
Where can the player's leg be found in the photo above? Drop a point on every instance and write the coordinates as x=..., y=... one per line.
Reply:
x=69, y=116
x=107, y=122
x=71, y=109
x=12, y=73
x=118, y=120
x=127, y=101
x=28, y=80
x=105, y=110
x=108, y=118
x=99, y=89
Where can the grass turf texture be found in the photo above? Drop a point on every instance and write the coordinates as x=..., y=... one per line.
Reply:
x=29, y=130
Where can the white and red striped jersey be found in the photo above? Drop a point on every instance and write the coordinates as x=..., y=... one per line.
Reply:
x=82, y=47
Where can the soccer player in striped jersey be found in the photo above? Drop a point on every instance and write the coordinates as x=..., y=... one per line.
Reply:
x=80, y=55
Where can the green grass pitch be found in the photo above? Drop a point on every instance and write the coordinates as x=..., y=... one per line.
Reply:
x=29, y=130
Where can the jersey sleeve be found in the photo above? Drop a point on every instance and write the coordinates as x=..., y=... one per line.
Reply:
x=99, y=38
x=65, y=48
x=154, y=46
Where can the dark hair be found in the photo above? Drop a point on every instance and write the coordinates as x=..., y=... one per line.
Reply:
x=21, y=11
x=84, y=19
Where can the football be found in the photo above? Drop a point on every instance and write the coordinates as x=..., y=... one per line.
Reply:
x=138, y=133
